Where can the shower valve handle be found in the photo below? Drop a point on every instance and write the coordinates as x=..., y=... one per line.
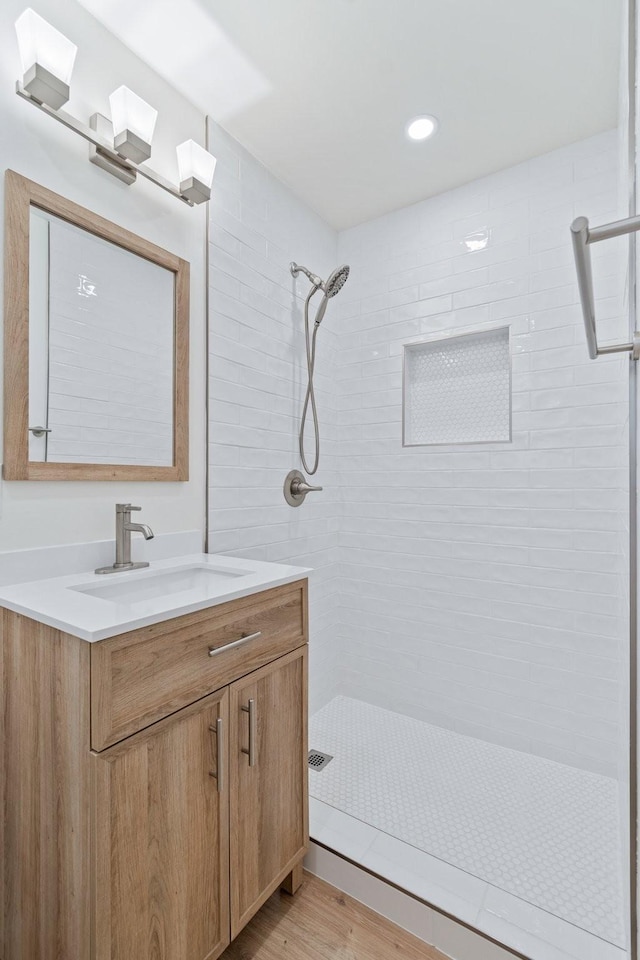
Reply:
x=301, y=486
x=296, y=488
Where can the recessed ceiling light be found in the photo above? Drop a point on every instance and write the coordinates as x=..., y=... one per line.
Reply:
x=420, y=128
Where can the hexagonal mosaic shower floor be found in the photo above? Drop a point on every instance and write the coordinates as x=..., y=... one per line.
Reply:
x=543, y=831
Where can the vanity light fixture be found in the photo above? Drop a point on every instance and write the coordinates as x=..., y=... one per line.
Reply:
x=118, y=145
x=47, y=59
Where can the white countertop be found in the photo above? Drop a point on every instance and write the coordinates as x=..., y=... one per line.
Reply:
x=65, y=604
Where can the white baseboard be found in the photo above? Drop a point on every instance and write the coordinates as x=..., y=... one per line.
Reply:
x=436, y=929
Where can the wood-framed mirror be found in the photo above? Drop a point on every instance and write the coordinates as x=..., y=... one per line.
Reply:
x=96, y=346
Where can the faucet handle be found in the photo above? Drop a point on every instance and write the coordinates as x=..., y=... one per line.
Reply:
x=126, y=508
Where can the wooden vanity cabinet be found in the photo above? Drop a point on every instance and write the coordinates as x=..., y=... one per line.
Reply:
x=162, y=844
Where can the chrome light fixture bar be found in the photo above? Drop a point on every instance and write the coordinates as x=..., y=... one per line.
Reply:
x=118, y=145
x=125, y=170
x=582, y=236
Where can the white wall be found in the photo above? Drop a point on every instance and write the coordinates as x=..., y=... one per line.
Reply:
x=483, y=586
x=33, y=514
x=257, y=381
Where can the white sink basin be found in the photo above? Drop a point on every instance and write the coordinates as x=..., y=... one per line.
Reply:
x=147, y=586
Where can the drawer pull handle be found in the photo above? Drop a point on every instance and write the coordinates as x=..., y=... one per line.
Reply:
x=251, y=752
x=219, y=774
x=213, y=651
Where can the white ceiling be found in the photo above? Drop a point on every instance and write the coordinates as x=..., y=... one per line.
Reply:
x=320, y=90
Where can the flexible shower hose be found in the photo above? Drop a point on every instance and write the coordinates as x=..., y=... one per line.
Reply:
x=310, y=398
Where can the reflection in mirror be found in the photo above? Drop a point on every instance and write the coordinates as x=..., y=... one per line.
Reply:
x=96, y=346
x=101, y=330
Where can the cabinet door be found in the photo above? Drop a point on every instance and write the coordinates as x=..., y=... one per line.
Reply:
x=268, y=781
x=161, y=840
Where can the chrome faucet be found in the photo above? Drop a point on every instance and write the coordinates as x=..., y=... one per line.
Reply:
x=124, y=529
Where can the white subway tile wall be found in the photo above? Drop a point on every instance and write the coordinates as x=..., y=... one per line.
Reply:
x=257, y=381
x=482, y=588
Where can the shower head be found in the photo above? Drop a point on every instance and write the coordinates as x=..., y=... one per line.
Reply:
x=332, y=285
x=329, y=287
x=336, y=281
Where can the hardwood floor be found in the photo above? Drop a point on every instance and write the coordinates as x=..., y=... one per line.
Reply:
x=322, y=923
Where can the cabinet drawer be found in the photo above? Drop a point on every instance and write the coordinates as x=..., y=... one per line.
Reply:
x=142, y=676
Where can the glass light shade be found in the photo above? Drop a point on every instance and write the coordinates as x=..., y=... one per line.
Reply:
x=134, y=121
x=39, y=42
x=47, y=58
x=195, y=163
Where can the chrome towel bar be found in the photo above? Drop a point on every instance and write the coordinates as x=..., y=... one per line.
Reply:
x=582, y=235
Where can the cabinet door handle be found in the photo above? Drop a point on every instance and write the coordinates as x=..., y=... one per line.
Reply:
x=214, y=651
x=251, y=752
x=219, y=774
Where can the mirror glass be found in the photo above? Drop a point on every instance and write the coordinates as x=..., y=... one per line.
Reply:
x=101, y=344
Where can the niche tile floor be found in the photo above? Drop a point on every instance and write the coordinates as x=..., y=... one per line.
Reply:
x=525, y=848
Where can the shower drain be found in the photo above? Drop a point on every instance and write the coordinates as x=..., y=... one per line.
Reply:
x=318, y=760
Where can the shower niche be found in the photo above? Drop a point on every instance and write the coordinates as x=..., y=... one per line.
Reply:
x=457, y=389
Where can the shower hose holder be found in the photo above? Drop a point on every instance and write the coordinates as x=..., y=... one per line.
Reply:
x=296, y=488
